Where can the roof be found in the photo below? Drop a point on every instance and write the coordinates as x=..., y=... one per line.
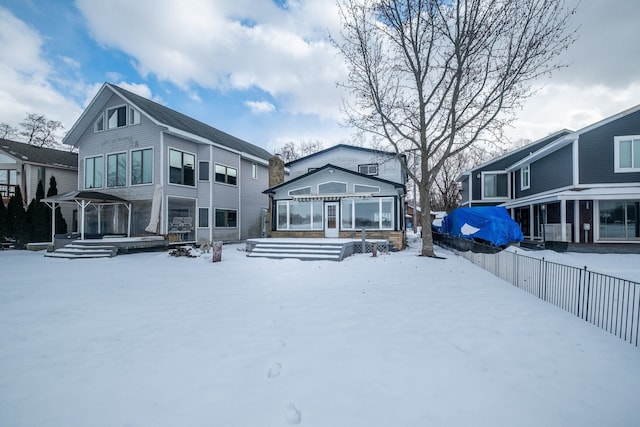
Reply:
x=582, y=193
x=173, y=120
x=39, y=155
x=330, y=166
x=88, y=196
x=351, y=147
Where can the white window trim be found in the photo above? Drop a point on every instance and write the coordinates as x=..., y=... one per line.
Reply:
x=215, y=212
x=95, y=124
x=106, y=169
x=368, y=166
x=299, y=188
x=209, y=175
x=195, y=166
x=130, y=175
x=254, y=170
x=228, y=167
x=208, y=217
x=288, y=226
x=116, y=107
x=84, y=184
x=616, y=153
x=522, y=173
x=346, y=186
x=483, y=197
x=380, y=200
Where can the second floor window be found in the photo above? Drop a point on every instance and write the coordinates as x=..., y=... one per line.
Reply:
x=142, y=166
x=495, y=185
x=370, y=169
x=226, y=175
x=627, y=153
x=181, y=168
x=525, y=177
x=117, y=170
x=93, y=170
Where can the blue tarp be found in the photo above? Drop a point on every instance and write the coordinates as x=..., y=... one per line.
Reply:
x=490, y=223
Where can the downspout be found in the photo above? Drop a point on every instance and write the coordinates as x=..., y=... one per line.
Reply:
x=164, y=208
x=239, y=215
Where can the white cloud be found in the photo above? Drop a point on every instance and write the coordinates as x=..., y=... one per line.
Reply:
x=25, y=76
x=260, y=107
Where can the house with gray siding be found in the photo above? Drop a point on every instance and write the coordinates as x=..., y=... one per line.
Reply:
x=582, y=187
x=23, y=165
x=183, y=178
x=338, y=192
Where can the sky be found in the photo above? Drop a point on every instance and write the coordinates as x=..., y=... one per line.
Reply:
x=147, y=339
x=262, y=70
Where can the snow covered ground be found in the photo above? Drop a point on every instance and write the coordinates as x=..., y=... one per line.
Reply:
x=398, y=340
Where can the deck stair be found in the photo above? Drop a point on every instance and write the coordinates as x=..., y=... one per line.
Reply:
x=82, y=249
x=303, y=250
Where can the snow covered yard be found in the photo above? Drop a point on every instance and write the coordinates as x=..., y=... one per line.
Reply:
x=398, y=340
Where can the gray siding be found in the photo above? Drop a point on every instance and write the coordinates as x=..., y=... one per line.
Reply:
x=596, y=151
x=549, y=173
x=253, y=200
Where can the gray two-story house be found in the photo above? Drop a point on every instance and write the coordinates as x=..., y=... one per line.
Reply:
x=581, y=187
x=338, y=192
x=181, y=178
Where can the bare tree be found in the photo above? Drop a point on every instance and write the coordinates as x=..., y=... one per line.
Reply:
x=38, y=130
x=7, y=131
x=436, y=76
x=292, y=151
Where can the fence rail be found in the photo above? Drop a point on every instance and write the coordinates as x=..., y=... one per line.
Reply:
x=608, y=302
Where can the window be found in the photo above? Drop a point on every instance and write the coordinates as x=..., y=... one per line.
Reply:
x=226, y=218
x=627, y=153
x=99, y=124
x=117, y=117
x=294, y=215
x=142, y=166
x=134, y=116
x=226, y=175
x=619, y=219
x=117, y=170
x=370, y=169
x=495, y=185
x=8, y=182
x=93, y=170
x=332, y=188
x=203, y=171
x=203, y=217
x=359, y=188
x=254, y=171
x=525, y=177
x=370, y=214
x=300, y=191
x=181, y=168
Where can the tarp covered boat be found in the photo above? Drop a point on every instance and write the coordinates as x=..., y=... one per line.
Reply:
x=491, y=224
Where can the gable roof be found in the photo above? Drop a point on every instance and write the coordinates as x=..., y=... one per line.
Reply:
x=39, y=155
x=175, y=121
x=569, y=138
x=338, y=146
x=330, y=166
x=519, y=153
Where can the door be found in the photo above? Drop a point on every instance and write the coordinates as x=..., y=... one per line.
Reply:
x=331, y=219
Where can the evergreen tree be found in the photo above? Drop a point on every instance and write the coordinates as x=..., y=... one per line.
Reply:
x=39, y=217
x=61, y=224
x=18, y=225
x=4, y=220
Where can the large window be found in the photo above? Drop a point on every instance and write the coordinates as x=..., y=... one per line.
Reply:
x=226, y=175
x=226, y=218
x=495, y=185
x=8, y=182
x=181, y=168
x=117, y=170
x=93, y=170
x=370, y=214
x=619, y=219
x=525, y=178
x=332, y=187
x=142, y=166
x=627, y=153
x=294, y=215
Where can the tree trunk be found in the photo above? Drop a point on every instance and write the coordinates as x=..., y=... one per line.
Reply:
x=425, y=215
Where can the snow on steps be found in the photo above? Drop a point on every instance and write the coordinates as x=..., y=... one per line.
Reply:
x=79, y=250
x=303, y=251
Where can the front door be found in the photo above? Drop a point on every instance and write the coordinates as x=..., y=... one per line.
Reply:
x=331, y=219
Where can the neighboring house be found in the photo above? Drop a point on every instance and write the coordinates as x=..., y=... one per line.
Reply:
x=23, y=165
x=201, y=182
x=338, y=192
x=583, y=187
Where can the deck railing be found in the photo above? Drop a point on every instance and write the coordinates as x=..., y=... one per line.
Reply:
x=608, y=302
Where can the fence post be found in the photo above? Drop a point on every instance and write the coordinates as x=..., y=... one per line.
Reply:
x=364, y=241
x=587, y=276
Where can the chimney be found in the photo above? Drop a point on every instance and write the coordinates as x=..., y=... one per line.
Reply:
x=276, y=171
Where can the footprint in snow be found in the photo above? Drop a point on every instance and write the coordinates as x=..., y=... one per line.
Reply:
x=274, y=370
x=292, y=414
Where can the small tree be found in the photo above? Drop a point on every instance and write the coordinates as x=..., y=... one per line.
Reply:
x=18, y=225
x=39, y=131
x=39, y=217
x=61, y=224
